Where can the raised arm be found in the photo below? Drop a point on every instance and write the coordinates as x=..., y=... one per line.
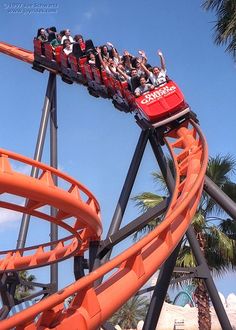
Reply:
x=100, y=57
x=127, y=57
x=123, y=74
x=163, y=63
x=145, y=68
x=114, y=51
x=143, y=56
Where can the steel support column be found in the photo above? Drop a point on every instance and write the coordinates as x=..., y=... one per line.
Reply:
x=128, y=185
x=160, y=291
x=38, y=153
x=163, y=281
x=162, y=162
x=54, y=163
x=79, y=262
x=227, y=204
x=211, y=288
x=125, y=194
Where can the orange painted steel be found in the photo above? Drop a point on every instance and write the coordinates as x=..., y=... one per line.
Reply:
x=132, y=268
x=84, y=211
x=17, y=52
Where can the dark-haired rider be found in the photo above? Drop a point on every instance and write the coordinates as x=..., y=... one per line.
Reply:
x=157, y=76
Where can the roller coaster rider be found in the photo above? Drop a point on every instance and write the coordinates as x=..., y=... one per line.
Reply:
x=157, y=76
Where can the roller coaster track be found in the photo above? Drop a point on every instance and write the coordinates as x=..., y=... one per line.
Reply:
x=130, y=269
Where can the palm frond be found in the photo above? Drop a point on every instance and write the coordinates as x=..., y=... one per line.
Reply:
x=220, y=168
x=229, y=188
x=131, y=312
x=221, y=251
x=228, y=227
x=147, y=200
x=225, y=26
x=198, y=222
x=160, y=181
x=212, y=4
x=186, y=258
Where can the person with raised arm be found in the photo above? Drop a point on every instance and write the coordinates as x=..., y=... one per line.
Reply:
x=144, y=59
x=133, y=79
x=157, y=76
x=126, y=59
x=103, y=61
x=113, y=53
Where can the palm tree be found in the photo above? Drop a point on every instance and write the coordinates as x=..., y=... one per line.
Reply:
x=22, y=290
x=216, y=235
x=130, y=313
x=225, y=26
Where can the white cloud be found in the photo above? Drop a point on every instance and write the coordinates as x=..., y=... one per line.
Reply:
x=88, y=14
x=85, y=18
x=8, y=218
x=231, y=301
x=76, y=28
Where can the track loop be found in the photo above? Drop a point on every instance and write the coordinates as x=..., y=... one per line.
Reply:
x=79, y=216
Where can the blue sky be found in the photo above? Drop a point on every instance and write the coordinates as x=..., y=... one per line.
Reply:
x=96, y=141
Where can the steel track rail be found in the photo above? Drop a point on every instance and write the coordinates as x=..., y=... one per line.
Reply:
x=17, y=52
x=74, y=203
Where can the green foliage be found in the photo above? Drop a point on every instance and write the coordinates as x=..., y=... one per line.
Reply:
x=225, y=26
x=145, y=201
x=22, y=290
x=220, y=169
x=131, y=313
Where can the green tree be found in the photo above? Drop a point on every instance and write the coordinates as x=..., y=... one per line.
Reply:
x=22, y=290
x=215, y=234
x=131, y=313
x=225, y=26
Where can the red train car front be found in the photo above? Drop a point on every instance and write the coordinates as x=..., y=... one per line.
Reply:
x=162, y=104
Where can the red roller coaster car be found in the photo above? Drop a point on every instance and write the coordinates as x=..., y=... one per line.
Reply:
x=163, y=104
x=155, y=108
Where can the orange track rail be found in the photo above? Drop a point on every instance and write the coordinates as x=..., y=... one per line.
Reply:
x=84, y=213
x=130, y=269
x=17, y=52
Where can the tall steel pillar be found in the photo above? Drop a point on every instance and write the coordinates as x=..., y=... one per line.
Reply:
x=54, y=163
x=163, y=281
x=38, y=152
x=128, y=185
x=210, y=285
x=160, y=291
x=162, y=162
x=129, y=182
x=220, y=197
x=123, y=199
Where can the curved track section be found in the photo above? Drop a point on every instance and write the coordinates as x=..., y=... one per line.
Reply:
x=78, y=211
x=91, y=306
